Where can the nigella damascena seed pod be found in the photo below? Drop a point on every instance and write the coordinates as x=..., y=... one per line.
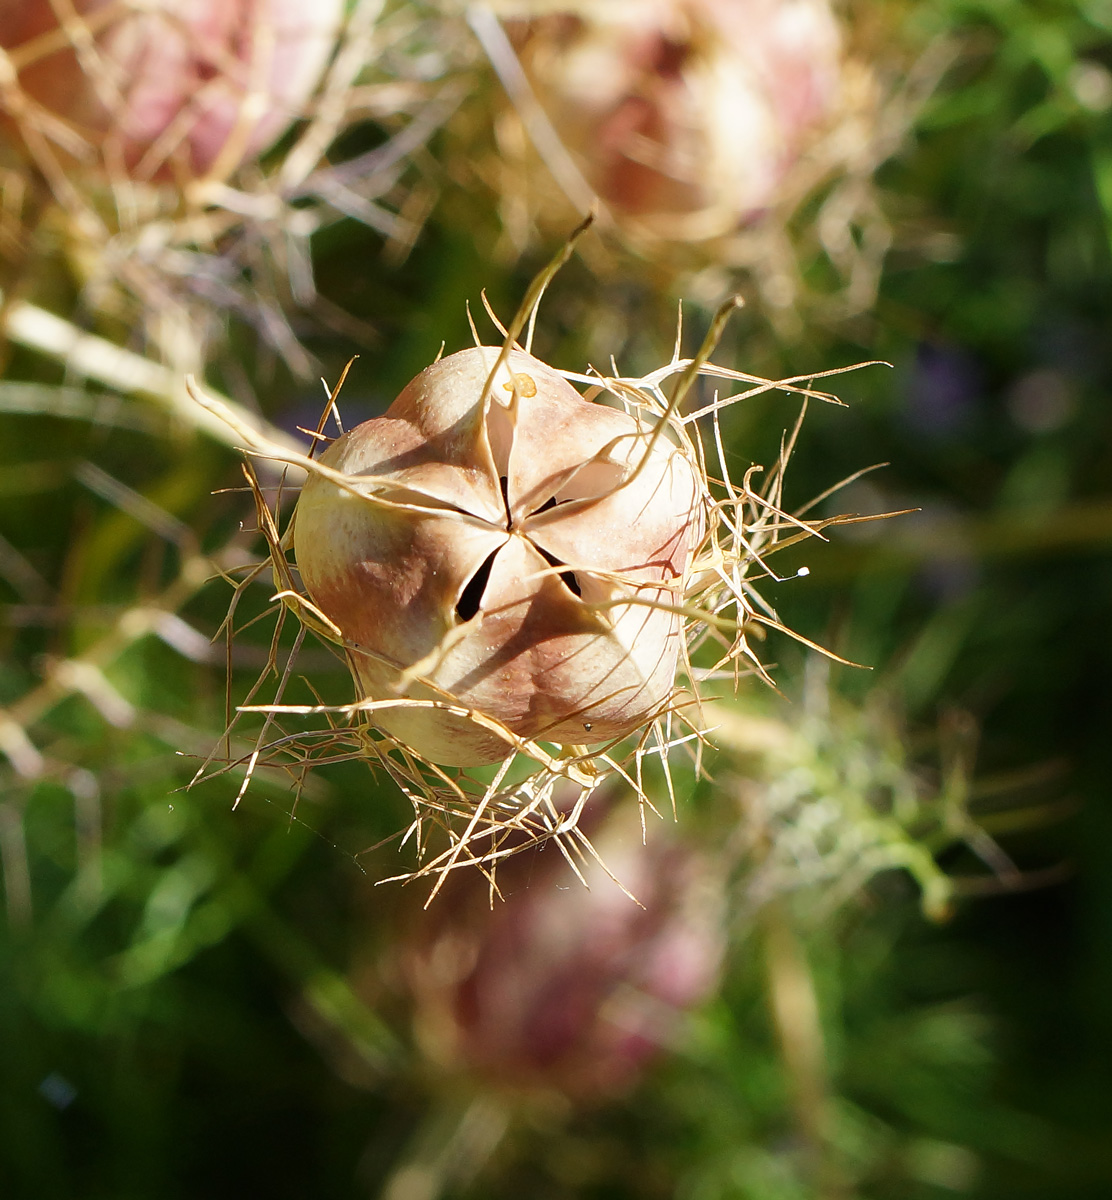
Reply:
x=524, y=549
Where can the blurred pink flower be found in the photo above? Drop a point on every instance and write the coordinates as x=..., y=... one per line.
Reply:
x=685, y=115
x=563, y=987
x=177, y=88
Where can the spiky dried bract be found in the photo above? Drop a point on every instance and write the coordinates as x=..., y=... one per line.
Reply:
x=528, y=548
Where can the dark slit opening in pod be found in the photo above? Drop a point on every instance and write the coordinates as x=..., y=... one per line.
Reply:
x=570, y=581
x=504, y=483
x=472, y=595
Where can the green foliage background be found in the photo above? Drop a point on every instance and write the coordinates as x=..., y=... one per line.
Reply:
x=175, y=1015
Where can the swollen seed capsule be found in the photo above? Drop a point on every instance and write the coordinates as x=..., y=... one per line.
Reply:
x=522, y=548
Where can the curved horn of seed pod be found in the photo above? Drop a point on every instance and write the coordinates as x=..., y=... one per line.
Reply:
x=519, y=549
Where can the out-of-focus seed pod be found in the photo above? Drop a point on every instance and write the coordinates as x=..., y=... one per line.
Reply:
x=561, y=986
x=521, y=549
x=169, y=88
x=684, y=115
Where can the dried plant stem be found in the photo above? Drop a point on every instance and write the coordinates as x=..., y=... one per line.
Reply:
x=449, y=1149
x=91, y=357
x=499, y=50
x=1065, y=528
x=85, y=673
x=795, y=1012
x=13, y=860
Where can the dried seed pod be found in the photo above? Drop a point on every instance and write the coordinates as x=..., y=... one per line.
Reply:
x=515, y=548
x=174, y=87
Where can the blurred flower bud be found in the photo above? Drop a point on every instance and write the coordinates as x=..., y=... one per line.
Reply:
x=684, y=115
x=169, y=88
x=561, y=987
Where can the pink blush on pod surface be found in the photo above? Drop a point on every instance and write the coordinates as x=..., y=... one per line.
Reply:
x=527, y=550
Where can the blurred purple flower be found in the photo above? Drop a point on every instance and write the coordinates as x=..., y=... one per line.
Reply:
x=944, y=386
